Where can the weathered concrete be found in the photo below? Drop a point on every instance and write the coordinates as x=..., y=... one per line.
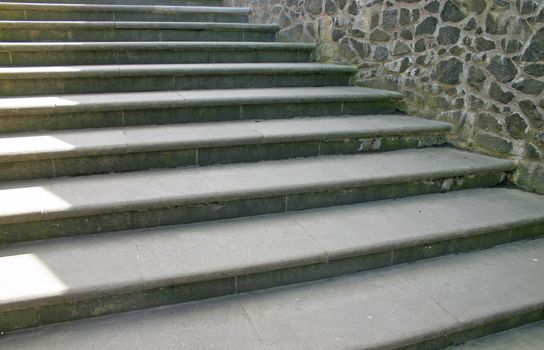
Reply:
x=93, y=151
x=384, y=309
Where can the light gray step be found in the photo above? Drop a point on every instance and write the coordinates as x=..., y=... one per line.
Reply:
x=132, y=2
x=94, y=151
x=134, y=31
x=425, y=305
x=25, y=81
x=105, y=12
x=79, y=53
x=529, y=337
x=168, y=107
x=38, y=209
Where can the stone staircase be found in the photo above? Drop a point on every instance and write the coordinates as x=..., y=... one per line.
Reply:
x=155, y=155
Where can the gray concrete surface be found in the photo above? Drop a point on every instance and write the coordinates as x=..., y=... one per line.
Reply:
x=64, y=197
x=70, y=143
x=143, y=259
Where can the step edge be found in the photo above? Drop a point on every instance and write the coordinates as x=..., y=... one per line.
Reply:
x=123, y=148
x=324, y=257
x=110, y=25
x=112, y=71
x=87, y=210
x=152, y=45
x=161, y=9
x=360, y=96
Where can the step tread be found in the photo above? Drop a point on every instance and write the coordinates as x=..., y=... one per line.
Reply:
x=135, y=100
x=45, y=145
x=168, y=9
x=113, y=70
x=152, y=258
x=380, y=309
x=87, y=195
x=150, y=45
x=530, y=337
x=137, y=25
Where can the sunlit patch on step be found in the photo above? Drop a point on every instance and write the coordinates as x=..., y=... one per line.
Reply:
x=33, y=144
x=36, y=102
x=24, y=200
x=60, y=69
x=24, y=276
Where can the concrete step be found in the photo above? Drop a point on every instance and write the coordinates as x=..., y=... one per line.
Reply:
x=81, y=53
x=465, y=296
x=132, y=2
x=30, y=11
x=24, y=81
x=22, y=114
x=39, y=209
x=529, y=337
x=134, y=31
x=94, y=151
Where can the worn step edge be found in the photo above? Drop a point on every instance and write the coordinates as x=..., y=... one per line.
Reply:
x=129, y=70
x=405, y=296
x=47, y=208
x=166, y=9
x=168, y=77
x=63, y=112
x=149, y=52
x=43, y=31
x=25, y=147
x=94, y=12
x=171, y=99
x=25, y=156
x=215, y=26
x=316, y=259
x=150, y=45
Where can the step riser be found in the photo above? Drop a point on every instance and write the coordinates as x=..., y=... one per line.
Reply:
x=124, y=161
x=38, y=86
x=20, y=122
x=110, y=34
x=296, y=273
x=34, y=15
x=131, y=56
x=222, y=208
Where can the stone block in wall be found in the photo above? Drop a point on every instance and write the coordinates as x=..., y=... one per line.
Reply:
x=493, y=144
x=529, y=175
x=535, y=50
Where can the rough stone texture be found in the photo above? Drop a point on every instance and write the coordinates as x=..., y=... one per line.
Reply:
x=453, y=60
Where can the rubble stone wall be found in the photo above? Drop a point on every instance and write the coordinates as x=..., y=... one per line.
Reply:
x=478, y=64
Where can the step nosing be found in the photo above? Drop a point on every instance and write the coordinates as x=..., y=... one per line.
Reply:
x=308, y=257
x=75, y=72
x=152, y=45
x=411, y=341
x=139, y=25
x=167, y=9
x=181, y=98
x=402, y=299
x=211, y=194
x=182, y=279
x=249, y=136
